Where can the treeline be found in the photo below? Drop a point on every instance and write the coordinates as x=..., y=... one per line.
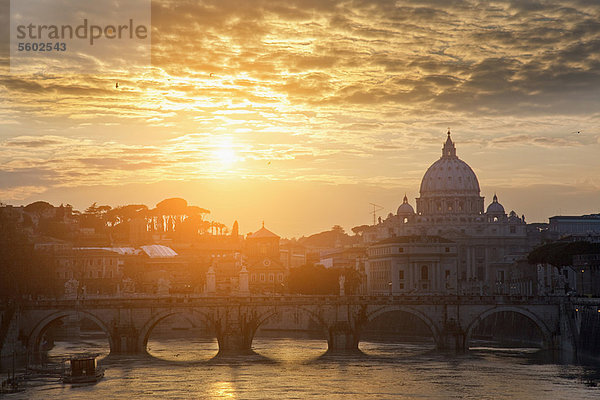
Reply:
x=316, y=279
x=20, y=273
x=560, y=254
x=174, y=217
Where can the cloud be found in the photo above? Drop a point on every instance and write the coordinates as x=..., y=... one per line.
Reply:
x=326, y=91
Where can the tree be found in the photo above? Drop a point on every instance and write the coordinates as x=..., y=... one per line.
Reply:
x=16, y=253
x=338, y=229
x=560, y=254
x=38, y=207
x=170, y=213
x=316, y=279
x=359, y=230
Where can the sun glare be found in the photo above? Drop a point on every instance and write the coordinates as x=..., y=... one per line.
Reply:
x=225, y=156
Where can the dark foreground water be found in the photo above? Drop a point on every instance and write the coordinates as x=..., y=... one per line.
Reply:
x=295, y=368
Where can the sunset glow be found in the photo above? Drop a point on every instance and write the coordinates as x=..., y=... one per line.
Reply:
x=332, y=98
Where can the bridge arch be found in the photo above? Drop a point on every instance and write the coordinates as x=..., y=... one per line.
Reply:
x=146, y=330
x=35, y=336
x=546, y=333
x=435, y=331
x=281, y=309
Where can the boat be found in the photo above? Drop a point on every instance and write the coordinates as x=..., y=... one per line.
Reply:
x=11, y=385
x=83, y=369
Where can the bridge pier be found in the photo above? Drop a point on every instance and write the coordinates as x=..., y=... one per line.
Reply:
x=125, y=340
x=235, y=332
x=452, y=338
x=342, y=338
x=232, y=342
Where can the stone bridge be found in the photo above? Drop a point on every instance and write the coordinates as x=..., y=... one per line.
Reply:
x=129, y=321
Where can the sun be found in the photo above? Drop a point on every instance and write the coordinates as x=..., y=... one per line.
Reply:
x=225, y=156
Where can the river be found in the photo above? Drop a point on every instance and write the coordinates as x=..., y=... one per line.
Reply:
x=298, y=368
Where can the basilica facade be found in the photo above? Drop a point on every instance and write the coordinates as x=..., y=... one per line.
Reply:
x=451, y=243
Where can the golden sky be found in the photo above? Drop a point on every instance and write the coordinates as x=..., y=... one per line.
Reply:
x=300, y=113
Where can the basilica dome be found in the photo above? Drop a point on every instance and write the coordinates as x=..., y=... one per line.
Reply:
x=495, y=207
x=449, y=188
x=449, y=175
x=405, y=208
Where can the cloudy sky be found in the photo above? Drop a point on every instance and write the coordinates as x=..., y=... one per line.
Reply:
x=301, y=113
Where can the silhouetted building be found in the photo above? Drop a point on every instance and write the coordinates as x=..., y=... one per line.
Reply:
x=587, y=274
x=450, y=206
x=575, y=225
x=342, y=258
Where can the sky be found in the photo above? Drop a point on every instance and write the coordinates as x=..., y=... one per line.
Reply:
x=301, y=113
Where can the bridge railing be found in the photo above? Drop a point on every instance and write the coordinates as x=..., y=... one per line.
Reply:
x=199, y=300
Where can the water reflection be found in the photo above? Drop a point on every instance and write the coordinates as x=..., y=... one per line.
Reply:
x=294, y=367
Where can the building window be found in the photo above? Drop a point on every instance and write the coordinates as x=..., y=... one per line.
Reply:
x=401, y=286
x=400, y=250
x=401, y=274
x=253, y=277
x=447, y=249
x=280, y=277
x=262, y=277
x=271, y=277
x=424, y=273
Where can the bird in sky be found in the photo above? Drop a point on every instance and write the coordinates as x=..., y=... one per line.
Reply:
x=117, y=85
x=211, y=74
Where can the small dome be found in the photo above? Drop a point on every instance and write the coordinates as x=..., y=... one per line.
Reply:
x=405, y=208
x=495, y=207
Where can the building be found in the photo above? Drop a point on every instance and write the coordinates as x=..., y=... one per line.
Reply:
x=412, y=264
x=92, y=270
x=487, y=242
x=292, y=254
x=263, y=259
x=583, y=225
x=587, y=274
x=342, y=258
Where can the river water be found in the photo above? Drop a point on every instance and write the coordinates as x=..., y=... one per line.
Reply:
x=298, y=368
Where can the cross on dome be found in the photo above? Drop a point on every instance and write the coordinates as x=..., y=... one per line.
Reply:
x=449, y=149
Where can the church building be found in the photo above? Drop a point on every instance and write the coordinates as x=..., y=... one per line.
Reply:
x=451, y=244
